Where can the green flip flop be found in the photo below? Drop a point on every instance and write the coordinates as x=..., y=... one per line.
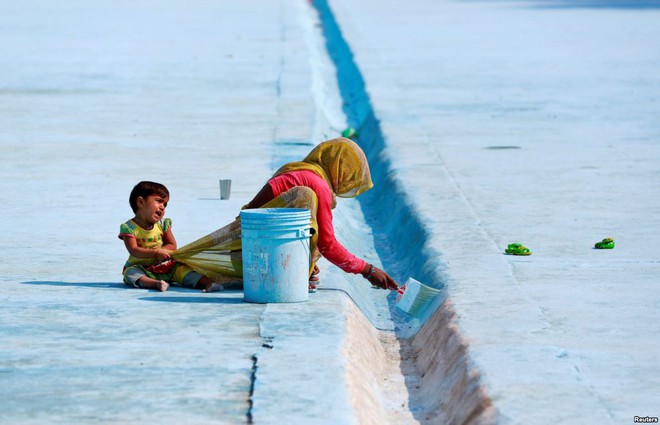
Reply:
x=350, y=132
x=517, y=249
x=607, y=243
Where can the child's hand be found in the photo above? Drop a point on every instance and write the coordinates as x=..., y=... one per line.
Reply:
x=163, y=254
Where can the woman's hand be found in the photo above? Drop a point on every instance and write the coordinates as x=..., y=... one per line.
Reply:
x=378, y=278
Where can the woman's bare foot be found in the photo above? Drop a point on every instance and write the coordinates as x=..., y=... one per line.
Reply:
x=314, y=278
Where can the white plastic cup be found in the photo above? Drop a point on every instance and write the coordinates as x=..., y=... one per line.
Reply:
x=225, y=188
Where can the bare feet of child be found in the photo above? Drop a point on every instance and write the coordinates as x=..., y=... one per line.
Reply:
x=148, y=283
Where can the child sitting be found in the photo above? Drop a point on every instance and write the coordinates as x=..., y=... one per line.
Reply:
x=149, y=240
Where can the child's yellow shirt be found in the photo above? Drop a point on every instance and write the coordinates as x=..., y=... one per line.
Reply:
x=150, y=239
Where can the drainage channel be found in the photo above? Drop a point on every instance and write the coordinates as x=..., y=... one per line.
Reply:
x=382, y=204
x=433, y=361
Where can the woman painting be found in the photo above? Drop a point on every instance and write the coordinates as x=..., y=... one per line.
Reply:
x=335, y=167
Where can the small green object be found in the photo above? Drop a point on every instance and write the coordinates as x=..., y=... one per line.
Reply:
x=607, y=243
x=517, y=249
x=349, y=132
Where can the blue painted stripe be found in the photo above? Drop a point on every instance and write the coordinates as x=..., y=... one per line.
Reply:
x=401, y=238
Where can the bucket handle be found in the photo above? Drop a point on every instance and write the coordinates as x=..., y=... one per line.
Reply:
x=306, y=232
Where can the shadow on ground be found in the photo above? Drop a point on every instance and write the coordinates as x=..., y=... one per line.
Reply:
x=225, y=297
x=96, y=285
x=206, y=299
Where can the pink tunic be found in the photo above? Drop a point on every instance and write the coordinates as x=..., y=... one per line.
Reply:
x=327, y=244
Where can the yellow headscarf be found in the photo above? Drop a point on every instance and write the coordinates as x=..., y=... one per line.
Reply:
x=341, y=163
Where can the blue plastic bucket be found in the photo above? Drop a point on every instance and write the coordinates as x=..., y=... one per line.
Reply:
x=276, y=257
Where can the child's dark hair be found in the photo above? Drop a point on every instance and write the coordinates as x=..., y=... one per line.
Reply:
x=144, y=189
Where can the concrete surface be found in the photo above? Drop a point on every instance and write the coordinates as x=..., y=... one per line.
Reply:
x=486, y=122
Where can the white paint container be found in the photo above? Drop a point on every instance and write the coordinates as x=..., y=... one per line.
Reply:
x=276, y=254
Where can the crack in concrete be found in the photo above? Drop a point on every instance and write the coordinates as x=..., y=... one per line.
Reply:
x=253, y=379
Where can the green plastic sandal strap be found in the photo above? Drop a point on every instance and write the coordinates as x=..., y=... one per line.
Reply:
x=517, y=249
x=607, y=243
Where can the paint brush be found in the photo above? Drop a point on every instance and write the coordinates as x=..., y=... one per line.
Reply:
x=414, y=297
